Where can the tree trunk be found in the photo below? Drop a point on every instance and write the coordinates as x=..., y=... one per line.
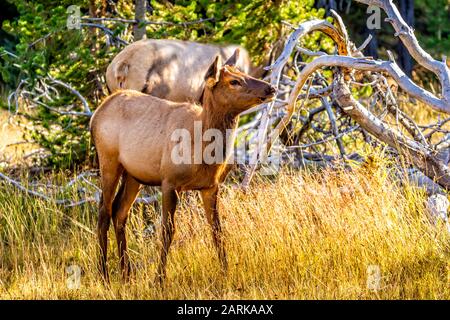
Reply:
x=140, y=10
x=406, y=8
x=327, y=5
x=372, y=48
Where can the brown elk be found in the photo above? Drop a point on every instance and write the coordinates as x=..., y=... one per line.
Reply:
x=132, y=133
x=155, y=66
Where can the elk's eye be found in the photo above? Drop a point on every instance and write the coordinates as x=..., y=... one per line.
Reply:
x=235, y=83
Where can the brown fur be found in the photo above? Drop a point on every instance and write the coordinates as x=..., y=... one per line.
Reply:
x=132, y=134
x=156, y=66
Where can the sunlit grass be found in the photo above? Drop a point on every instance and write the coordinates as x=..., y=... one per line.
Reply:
x=301, y=235
x=12, y=142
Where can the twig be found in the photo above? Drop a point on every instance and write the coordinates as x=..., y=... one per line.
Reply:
x=108, y=32
x=365, y=43
x=68, y=202
x=334, y=127
x=322, y=141
x=147, y=22
x=75, y=92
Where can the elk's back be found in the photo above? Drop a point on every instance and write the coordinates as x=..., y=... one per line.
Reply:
x=168, y=69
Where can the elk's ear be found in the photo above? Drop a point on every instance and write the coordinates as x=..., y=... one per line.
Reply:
x=213, y=73
x=233, y=59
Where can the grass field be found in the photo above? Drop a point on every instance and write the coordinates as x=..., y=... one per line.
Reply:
x=303, y=235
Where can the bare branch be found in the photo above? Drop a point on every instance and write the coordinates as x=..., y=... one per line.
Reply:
x=147, y=22
x=334, y=127
x=67, y=202
x=413, y=151
x=108, y=32
x=275, y=75
x=75, y=92
x=365, y=43
x=365, y=65
x=406, y=35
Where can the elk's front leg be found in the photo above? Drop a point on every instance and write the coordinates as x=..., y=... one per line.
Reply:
x=169, y=200
x=210, y=199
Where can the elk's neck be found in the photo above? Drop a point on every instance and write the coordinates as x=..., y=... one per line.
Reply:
x=214, y=115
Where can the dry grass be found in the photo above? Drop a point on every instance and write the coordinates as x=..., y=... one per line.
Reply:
x=303, y=235
x=12, y=147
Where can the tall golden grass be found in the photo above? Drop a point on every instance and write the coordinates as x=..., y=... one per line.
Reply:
x=12, y=142
x=300, y=235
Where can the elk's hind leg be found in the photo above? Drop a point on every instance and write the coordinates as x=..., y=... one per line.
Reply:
x=110, y=172
x=169, y=200
x=121, y=207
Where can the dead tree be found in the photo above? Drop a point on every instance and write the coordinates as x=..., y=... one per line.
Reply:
x=405, y=138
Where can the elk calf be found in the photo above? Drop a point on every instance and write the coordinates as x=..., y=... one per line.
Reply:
x=132, y=133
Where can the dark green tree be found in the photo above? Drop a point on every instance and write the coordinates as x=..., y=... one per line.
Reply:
x=44, y=47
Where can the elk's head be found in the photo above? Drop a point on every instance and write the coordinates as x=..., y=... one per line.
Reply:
x=234, y=90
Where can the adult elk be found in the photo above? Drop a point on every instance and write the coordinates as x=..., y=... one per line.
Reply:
x=170, y=69
x=132, y=133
